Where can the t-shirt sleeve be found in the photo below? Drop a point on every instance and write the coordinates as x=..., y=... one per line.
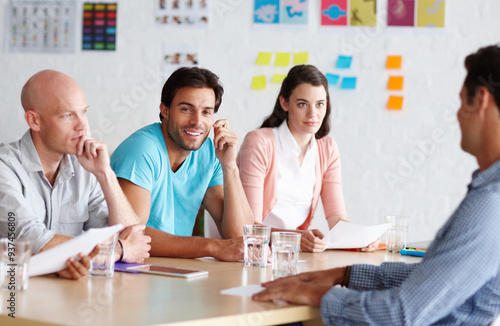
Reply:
x=137, y=160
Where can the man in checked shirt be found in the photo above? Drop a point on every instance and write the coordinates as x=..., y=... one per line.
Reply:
x=458, y=281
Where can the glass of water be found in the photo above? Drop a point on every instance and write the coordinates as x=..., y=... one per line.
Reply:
x=103, y=264
x=14, y=258
x=256, y=238
x=286, y=247
x=396, y=232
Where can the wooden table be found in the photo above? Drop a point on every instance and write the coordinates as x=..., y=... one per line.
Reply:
x=142, y=299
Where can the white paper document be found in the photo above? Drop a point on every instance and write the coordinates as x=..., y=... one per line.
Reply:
x=54, y=259
x=244, y=291
x=346, y=235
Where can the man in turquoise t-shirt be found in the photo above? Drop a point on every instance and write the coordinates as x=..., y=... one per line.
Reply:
x=168, y=170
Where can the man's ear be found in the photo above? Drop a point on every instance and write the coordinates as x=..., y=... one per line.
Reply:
x=33, y=120
x=284, y=103
x=484, y=99
x=164, y=111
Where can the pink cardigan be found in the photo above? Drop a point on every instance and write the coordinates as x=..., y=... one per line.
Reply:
x=259, y=174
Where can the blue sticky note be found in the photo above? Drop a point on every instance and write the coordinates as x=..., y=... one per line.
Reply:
x=344, y=62
x=348, y=83
x=332, y=79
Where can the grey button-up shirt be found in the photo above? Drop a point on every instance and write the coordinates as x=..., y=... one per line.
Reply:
x=37, y=210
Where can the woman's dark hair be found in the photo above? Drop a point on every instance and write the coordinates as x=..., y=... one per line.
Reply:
x=191, y=77
x=302, y=74
x=483, y=69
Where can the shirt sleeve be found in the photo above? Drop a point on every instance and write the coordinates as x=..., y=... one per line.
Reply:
x=27, y=215
x=98, y=208
x=137, y=160
x=331, y=189
x=252, y=165
x=446, y=278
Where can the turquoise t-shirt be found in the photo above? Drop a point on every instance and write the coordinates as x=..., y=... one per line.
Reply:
x=176, y=197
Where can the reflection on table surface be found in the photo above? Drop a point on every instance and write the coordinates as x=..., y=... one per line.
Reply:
x=146, y=299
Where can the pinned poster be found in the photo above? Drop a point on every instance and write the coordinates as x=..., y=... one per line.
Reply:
x=334, y=12
x=395, y=102
x=182, y=13
x=263, y=58
x=258, y=82
x=348, y=83
x=176, y=55
x=430, y=13
x=300, y=58
x=279, y=12
x=99, y=26
x=363, y=13
x=401, y=13
x=394, y=62
x=282, y=59
x=395, y=83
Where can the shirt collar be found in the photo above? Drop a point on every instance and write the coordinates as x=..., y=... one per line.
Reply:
x=480, y=179
x=31, y=161
x=288, y=142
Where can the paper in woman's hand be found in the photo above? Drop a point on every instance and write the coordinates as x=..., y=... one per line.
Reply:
x=346, y=235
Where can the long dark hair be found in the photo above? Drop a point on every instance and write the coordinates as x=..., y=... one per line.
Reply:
x=302, y=74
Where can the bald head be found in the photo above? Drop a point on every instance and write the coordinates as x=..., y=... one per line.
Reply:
x=49, y=88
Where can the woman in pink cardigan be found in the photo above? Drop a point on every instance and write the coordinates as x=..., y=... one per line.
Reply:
x=290, y=161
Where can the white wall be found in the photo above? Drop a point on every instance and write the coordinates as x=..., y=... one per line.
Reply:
x=123, y=89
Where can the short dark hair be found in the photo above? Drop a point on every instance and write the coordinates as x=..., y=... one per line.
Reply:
x=483, y=69
x=191, y=77
x=301, y=74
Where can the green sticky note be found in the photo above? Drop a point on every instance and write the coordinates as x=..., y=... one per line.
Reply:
x=278, y=78
x=300, y=58
x=282, y=59
x=263, y=58
x=259, y=82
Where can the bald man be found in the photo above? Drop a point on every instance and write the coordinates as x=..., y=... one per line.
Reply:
x=56, y=181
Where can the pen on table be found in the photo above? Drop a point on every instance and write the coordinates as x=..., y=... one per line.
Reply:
x=410, y=248
x=416, y=253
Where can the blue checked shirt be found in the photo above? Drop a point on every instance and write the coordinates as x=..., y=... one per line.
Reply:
x=457, y=283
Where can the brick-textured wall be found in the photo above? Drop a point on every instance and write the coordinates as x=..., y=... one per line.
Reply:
x=406, y=162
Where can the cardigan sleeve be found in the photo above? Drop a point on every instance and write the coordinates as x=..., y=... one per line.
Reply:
x=331, y=190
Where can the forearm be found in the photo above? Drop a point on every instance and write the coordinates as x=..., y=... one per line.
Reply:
x=333, y=220
x=119, y=208
x=237, y=211
x=167, y=245
x=56, y=240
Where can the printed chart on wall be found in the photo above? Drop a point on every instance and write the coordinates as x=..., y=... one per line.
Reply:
x=41, y=26
x=338, y=13
x=182, y=13
x=416, y=13
x=99, y=26
x=175, y=56
x=281, y=13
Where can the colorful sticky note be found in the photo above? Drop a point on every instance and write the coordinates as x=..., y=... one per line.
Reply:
x=263, y=58
x=282, y=59
x=394, y=62
x=332, y=79
x=395, y=102
x=343, y=62
x=259, y=82
x=395, y=83
x=348, y=83
x=278, y=78
x=300, y=58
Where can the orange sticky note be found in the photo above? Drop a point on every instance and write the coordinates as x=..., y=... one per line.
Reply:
x=259, y=82
x=394, y=62
x=395, y=102
x=395, y=83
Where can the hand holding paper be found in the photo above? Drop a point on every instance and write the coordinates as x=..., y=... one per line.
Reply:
x=346, y=235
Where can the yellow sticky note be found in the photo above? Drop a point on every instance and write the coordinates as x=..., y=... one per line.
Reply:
x=278, y=78
x=430, y=13
x=282, y=59
x=394, y=62
x=395, y=102
x=300, y=58
x=263, y=58
x=395, y=83
x=259, y=82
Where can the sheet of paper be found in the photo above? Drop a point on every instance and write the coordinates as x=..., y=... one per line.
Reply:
x=243, y=291
x=54, y=260
x=349, y=235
